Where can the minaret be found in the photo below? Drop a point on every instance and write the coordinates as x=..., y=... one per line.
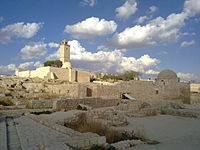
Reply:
x=65, y=54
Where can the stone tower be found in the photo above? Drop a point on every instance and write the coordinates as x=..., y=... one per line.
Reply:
x=65, y=54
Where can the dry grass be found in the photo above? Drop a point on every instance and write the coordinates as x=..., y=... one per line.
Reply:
x=6, y=102
x=112, y=136
x=150, y=112
x=28, y=106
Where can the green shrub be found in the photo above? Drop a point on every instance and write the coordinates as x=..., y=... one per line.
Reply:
x=53, y=63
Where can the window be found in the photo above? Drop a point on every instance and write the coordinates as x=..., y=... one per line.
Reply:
x=156, y=91
x=89, y=92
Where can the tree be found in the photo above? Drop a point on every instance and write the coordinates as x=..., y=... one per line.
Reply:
x=129, y=75
x=53, y=63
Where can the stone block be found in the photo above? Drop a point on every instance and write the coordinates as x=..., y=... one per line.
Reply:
x=93, y=141
x=101, y=140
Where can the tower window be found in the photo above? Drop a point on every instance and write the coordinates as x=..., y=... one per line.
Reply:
x=156, y=91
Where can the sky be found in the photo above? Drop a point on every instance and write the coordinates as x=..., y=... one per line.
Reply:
x=108, y=36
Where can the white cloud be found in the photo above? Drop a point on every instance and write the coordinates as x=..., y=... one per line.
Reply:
x=1, y=19
x=106, y=61
x=53, y=45
x=185, y=43
x=141, y=19
x=103, y=48
x=188, y=34
x=158, y=30
x=30, y=65
x=127, y=9
x=89, y=2
x=197, y=20
x=9, y=69
x=188, y=77
x=162, y=53
x=153, y=9
x=53, y=56
x=192, y=7
x=152, y=72
x=33, y=50
x=20, y=29
x=91, y=27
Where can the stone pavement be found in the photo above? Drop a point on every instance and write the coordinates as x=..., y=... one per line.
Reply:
x=22, y=133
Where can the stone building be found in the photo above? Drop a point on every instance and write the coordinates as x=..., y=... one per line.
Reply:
x=66, y=73
x=167, y=86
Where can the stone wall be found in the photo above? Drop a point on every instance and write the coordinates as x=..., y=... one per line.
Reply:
x=68, y=90
x=71, y=75
x=144, y=90
x=195, y=88
x=41, y=72
x=60, y=73
x=195, y=98
x=41, y=104
x=24, y=74
x=70, y=104
x=83, y=76
x=140, y=90
x=34, y=87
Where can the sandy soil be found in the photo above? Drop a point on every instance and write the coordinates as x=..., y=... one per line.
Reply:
x=174, y=133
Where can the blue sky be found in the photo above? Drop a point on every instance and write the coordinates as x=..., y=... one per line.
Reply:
x=111, y=36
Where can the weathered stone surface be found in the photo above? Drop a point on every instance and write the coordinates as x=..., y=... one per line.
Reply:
x=72, y=103
x=123, y=145
x=3, y=134
x=34, y=136
x=41, y=104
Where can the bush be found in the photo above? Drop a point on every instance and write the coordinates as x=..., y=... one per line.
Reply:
x=53, y=63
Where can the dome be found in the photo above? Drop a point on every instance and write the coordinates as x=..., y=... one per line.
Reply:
x=167, y=74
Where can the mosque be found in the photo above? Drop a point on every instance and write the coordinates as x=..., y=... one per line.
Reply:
x=66, y=73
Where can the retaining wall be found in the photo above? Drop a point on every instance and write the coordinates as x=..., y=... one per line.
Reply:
x=69, y=104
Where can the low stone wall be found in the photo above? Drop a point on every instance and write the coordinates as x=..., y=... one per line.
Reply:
x=181, y=113
x=195, y=98
x=78, y=140
x=41, y=104
x=69, y=104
